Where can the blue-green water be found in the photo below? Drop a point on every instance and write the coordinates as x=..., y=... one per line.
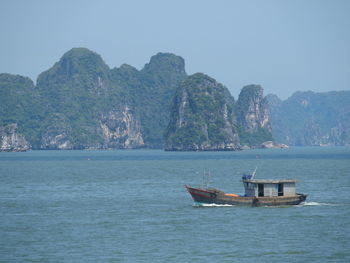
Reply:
x=131, y=206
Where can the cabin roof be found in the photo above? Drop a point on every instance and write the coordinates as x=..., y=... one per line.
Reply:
x=269, y=181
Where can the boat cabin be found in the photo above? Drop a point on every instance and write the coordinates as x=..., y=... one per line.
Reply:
x=260, y=188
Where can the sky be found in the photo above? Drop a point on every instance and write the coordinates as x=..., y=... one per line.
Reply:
x=285, y=46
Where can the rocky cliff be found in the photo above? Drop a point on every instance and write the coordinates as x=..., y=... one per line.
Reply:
x=80, y=103
x=56, y=133
x=202, y=117
x=77, y=91
x=11, y=140
x=121, y=130
x=150, y=92
x=312, y=119
x=253, y=116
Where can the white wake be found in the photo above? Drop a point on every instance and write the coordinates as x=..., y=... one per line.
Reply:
x=209, y=205
x=316, y=204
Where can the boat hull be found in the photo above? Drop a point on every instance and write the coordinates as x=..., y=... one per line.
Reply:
x=214, y=196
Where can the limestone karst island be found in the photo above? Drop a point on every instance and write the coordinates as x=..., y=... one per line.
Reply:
x=80, y=103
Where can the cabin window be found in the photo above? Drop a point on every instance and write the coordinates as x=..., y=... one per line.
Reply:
x=260, y=189
x=280, y=190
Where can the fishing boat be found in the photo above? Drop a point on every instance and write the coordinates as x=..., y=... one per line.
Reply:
x=258, y=192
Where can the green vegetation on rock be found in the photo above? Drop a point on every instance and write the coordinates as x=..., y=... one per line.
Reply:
x=21, y=104
x=78, y=90
x=202, y=116
x=150, y=92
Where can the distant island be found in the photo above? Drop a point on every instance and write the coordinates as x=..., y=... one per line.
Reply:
x=80, y=103
x=311, y=119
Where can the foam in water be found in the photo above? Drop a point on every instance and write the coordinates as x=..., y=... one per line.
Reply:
x=302, y=204
x=314, y=204
x=210, y=205
x=310, y=203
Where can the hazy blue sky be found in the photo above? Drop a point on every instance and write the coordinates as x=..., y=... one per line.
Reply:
x=283, y=45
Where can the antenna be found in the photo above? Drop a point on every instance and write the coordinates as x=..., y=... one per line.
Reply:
x=208, y=179
x=203, y=179
x=253, y=175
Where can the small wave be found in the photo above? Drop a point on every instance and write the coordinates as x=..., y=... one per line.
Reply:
x=210, y=205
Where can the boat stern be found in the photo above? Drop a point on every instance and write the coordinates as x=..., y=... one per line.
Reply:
x=302, y=197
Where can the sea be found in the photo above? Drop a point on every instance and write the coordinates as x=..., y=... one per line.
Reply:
x=132, y=206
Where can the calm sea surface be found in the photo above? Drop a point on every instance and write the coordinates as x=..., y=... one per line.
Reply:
x=132, y=206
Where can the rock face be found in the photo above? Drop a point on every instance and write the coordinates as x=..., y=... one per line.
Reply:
x=56, y=134
x=253, y=116
x=312, y=119
x=202, y=117
x=121, y=130
x=11, y=140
